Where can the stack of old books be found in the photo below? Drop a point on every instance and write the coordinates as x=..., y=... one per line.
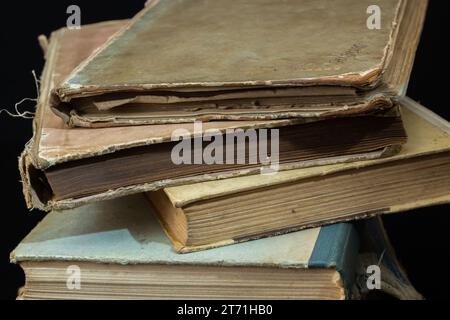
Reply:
x=242, y=127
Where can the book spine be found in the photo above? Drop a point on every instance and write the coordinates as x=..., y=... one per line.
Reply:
x=337, y=247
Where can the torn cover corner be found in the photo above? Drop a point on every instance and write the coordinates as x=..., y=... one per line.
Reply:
x=35, y=190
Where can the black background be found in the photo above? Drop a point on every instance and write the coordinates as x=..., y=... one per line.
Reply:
x=420, y=237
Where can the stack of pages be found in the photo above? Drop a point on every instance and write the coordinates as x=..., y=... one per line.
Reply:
x=336, y=140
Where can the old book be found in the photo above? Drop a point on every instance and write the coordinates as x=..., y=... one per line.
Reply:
x=250, y=207
x=63, y=167
x=120, y=252
x=180, y=61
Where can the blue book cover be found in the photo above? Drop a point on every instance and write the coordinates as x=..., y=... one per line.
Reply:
x=124, y=232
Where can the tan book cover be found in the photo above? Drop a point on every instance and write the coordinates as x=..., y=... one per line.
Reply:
x=52, y=159
x=180, y=61
x=250, y=207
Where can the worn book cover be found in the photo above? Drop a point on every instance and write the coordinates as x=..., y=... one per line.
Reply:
x=245, y=208
x=180, y=61
x=118, y=243
x=63, y=167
